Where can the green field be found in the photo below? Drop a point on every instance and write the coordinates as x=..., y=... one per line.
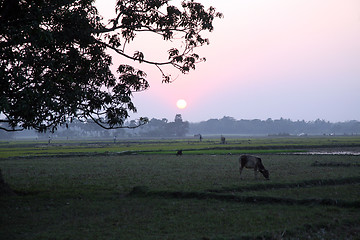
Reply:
x=141, y=190
x=189, y=146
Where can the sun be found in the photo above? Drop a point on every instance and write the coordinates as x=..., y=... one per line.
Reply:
x=181, y=104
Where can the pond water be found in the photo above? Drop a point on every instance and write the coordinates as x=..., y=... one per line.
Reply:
x=353, y=153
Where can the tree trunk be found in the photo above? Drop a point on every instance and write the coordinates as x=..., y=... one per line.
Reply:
x=4, y=187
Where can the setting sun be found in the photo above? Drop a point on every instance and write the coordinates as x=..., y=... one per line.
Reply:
x=181, y=103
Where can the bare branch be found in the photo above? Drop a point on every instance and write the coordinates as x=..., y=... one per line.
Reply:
x=142, y=121
x=121, y=52
x=11, y=130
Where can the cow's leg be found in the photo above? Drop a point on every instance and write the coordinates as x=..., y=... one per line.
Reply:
x=255, y=171
x=240, y=170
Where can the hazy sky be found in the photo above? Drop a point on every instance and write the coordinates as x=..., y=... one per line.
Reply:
x=297, y=59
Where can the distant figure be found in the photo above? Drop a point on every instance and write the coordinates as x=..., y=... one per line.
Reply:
x=114, y=139
x=222, y=139
x=249, y=161
x=179, y=153
x=199, y=136
x=49, y=141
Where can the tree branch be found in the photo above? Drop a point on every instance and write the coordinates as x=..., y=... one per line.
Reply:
x=132, y=58
x=142, y=121
x=11, y=130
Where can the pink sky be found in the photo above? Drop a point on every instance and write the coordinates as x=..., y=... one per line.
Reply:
x=297, y=59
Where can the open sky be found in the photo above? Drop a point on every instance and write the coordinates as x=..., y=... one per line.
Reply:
x=296, y=59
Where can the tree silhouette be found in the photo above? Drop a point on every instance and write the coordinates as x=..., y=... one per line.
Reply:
x=55, y=66
x=179, y=127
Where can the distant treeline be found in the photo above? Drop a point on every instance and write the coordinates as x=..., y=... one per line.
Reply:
x=229, y=125
x=179, y=128
x=90, y=130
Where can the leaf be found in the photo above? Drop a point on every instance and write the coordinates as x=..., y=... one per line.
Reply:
x=173, y=52
x=139, y=56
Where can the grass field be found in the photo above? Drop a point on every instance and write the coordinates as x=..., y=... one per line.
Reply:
x=141, y=190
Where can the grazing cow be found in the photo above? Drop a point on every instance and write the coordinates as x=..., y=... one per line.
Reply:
x=179, y=153
x=249, y=161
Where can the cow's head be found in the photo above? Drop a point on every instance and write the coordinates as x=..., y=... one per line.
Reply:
x=265, y=173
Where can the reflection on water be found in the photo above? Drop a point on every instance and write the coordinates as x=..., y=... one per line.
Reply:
x=353, y=153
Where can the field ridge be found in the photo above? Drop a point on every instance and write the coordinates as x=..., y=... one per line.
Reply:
x=251, y=199
x=302, y=184
x=144, y=191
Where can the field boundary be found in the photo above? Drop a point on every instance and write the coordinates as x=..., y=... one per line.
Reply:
x=250, y=199
x=273, y=186
x=227, y=194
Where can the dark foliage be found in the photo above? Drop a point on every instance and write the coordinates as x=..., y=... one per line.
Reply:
x=54, y=65
x=163, y=128
x=276, y=127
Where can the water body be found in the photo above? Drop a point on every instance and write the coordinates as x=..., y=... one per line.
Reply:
x=352, y=153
